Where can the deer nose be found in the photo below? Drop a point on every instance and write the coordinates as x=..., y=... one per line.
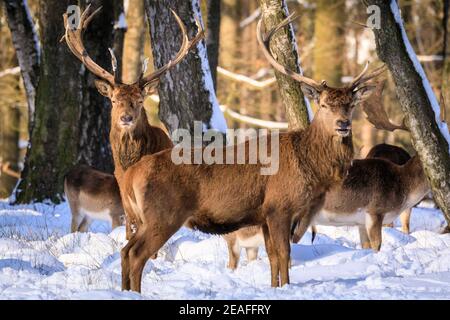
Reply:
x=126, y=118
x=343, y=124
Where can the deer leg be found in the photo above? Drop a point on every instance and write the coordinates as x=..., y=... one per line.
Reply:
x=279, y=233
x=147, y=244
x=77, y=217
x=300, y=230
x=405, y=217
x=125, y=262
x=234, y=251
x=252, y=253
x=374, y=223
x=84, y=225
x=272, y=254
x=116, y=221
x=306, y=218
x=364, y=238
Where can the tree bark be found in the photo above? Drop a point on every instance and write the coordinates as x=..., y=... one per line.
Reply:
x=416, y=104
x=283, y=46
x=94, y=122
x=134, y=41
x=53, y=142
x=186, y=92
x=26, y=44
x=329, y=35
x=213, y=37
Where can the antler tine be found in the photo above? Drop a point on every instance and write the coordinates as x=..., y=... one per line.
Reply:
x=90, y=17
x=355, y=81
x=186, y=46
x=376, y=113
x=74, y=40
x=264, y=42
x=362, y=77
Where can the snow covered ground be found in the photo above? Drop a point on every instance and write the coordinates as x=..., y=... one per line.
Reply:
x=40, y=259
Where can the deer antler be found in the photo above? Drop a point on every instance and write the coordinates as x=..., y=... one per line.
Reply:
x=186, y=46
x=376, y=114
x=264, y=41
x=74, y=40
x=362, y=77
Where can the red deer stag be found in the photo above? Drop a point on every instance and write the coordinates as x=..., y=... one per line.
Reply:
x=251, y=238
x=374, y=192
x=131, y=135
x=221, y=198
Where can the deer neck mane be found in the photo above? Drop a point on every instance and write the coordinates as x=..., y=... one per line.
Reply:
x=129, y=146
x=327, y=157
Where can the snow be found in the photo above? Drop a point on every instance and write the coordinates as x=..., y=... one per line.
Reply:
x=217, y=120
x=40, y=259
x=412, y=55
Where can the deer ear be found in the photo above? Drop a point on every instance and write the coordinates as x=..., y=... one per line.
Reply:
x=150, y=88
x=310, y=92
x=363, y=93
x=104, y=88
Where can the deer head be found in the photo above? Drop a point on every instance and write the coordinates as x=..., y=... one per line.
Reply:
x=335, y=104
x=126, y=99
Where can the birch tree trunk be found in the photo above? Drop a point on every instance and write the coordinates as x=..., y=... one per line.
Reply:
x=417, y=101
x=26, y=44
x=283, y=46
x=213, y=37
x=134, y=41
x=187, y=91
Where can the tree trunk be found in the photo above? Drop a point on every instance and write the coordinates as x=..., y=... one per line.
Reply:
x=283, y=46
x=134, y=41
x=53, y=142
x=329, y=37
x=213, y=37
x=9, y=148
x=94, y=122
x=417, y=100
x=26, y=44
x=186, y=92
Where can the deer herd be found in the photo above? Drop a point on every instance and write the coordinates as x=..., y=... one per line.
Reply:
x=318, y=182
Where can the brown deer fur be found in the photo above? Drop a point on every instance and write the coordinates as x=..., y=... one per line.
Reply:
x=251, y=238
x=131, y=135
x=92, y=194
x=374, y=192
x=224, y=198
x=398, y=156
